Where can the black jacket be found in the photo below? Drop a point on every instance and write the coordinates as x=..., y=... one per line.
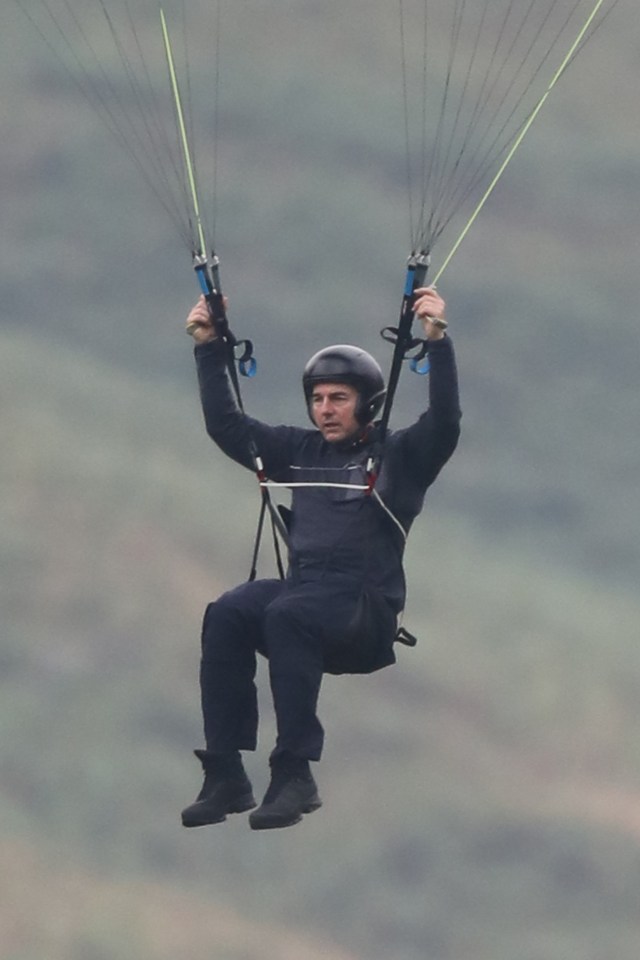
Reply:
x=338, y=532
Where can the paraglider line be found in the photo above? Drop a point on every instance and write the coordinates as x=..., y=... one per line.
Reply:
x=182, y=129
x=525, y=129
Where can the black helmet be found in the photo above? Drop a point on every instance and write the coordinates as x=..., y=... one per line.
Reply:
x=346, y=364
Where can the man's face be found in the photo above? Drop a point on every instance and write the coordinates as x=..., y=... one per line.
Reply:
x=333, y=409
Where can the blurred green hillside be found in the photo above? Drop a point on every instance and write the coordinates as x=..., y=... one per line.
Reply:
x=482, y=796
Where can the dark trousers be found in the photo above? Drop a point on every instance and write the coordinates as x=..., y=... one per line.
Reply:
x=293, y=625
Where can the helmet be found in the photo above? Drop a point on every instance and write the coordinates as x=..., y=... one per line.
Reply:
x=342, y=363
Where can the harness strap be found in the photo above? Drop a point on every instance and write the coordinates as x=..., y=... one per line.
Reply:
x=278, y=525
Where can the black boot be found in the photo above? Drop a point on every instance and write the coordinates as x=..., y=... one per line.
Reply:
x=291, y=793
x=226, y=789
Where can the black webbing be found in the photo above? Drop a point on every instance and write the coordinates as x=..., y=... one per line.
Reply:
x=401, y=335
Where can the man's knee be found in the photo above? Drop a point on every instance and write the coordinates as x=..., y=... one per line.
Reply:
x=222, y=628
x=234, y=620
x=290, y=632
x=223, y=612
x=285, y=614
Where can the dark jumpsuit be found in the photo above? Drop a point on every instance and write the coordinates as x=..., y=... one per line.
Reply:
x=337, y=609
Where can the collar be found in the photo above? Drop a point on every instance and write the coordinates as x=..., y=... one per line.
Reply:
x=365, y=438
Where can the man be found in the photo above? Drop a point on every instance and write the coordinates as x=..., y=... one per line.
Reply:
x=337, y=610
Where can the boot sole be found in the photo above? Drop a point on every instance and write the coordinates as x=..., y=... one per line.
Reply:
x=257, y=823
x=241, y=805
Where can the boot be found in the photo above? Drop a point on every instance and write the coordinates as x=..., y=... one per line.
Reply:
x=291, y=793
x=226, y=789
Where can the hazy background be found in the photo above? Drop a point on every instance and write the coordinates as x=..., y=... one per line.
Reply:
x=482, y=797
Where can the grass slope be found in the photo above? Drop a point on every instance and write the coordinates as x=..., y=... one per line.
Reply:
x=480, y=795
x=62, y=912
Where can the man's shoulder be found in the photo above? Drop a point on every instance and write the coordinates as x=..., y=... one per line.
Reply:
x=297, y=438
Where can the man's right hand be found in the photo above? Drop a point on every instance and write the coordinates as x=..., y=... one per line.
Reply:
x=199, y=323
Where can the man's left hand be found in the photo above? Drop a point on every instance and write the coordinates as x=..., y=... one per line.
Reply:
x=430, y=308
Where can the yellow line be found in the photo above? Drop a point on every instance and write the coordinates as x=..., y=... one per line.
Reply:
x=188, y=162
x=520, y=138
